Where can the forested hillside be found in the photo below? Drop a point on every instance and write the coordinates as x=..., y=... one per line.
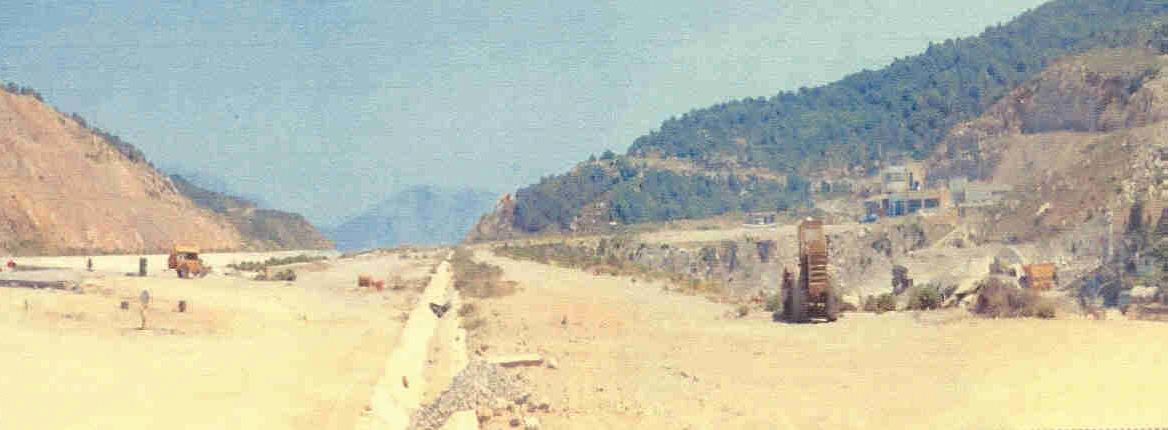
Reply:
x=849, y=127
x=907, y=107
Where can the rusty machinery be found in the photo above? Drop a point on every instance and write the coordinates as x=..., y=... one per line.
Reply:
x=813, y=295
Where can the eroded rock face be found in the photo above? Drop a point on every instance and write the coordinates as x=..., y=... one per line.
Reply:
x=750, y=266
x=498, y=224
x=64, y=189
x=1098, y=92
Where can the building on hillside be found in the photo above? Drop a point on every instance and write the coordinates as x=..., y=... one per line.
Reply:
x=761, y=218
x=957, y=188
x=903, y=193
x=964, y=192
x=983, y=194
x=906, y=203
x=902, y=178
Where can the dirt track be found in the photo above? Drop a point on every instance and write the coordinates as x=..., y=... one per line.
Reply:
x=249, y=354
x=631, y=356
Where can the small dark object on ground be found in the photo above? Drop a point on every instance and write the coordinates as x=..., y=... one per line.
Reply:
x=182, y=306
x=742, y=311
x=125, y=305
x=439, y=310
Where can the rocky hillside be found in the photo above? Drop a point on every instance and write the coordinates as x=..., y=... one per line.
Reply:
x=68, y=188
x=1101, y=91
x=1085, y=139
x=262, y=228
x=420, y=215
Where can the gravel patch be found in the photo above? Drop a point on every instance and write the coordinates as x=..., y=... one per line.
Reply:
x=478, y=385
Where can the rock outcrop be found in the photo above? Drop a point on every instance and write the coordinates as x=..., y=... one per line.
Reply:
x=1101, y=91
x=1083, y=140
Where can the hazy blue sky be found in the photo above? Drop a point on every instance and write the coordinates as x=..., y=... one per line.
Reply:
x=326, y=107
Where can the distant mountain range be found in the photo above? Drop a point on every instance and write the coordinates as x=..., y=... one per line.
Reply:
x=421, y=215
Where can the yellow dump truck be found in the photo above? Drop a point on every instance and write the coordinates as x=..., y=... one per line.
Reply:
x=185, y=261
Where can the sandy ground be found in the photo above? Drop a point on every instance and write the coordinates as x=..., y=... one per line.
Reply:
x=249, y=354
x=632, y=356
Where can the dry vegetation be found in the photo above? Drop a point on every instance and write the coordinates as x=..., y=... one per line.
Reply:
x=998, y=299
x=599, y=262
x=256, y=266
x=476, y=279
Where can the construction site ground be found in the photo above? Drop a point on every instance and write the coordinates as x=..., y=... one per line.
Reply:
x=246, y=354
x=630, y=355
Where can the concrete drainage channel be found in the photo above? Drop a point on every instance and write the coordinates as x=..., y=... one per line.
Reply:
x=399, y=391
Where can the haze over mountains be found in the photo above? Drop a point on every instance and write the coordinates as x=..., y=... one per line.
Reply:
x=421, y=215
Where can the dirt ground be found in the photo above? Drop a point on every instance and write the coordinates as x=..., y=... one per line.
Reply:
x=248, y=354
x=155, y=263
x=632, y=356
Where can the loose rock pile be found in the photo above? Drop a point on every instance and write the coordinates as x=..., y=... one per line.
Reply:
x=479, y=386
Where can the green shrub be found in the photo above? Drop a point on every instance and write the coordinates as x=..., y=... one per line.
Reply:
x=256, y=266
x=285, y=275
x=742, y=311
x=774, y=303
x=925, y=297
x=880, y=304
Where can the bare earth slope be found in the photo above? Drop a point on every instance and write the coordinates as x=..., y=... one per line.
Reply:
x=65, y=189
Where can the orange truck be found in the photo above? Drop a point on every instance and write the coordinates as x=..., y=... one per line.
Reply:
x=185, y=261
